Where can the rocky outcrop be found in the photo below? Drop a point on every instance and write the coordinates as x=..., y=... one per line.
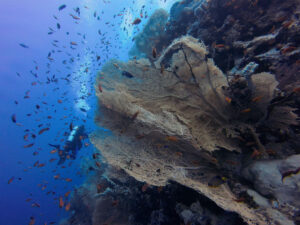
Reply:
x=127, y=201
x=239, y=32
x=268, y=179
x=182, y=119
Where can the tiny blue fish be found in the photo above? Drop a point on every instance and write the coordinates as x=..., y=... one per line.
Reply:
x=61, y=7
x=83, y=109
x=23, y=45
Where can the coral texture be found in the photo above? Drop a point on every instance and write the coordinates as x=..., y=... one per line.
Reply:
x=172, y=119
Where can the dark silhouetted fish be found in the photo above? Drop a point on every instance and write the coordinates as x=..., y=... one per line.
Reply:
x=154, y=52
x=136, y=21
x=13, y=118
x=127, y=74
x=62, y=7
x=23, y=45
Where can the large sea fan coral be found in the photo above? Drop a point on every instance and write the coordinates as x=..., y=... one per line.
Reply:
x=171, y=115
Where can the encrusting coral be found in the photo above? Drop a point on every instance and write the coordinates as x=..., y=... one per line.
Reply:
x=170, y=118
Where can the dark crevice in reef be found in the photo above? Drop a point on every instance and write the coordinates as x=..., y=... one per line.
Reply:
x=137, y=203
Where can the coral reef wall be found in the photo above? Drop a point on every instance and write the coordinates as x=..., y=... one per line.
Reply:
x=208, y=105
x=182, y=119
x=117, y=199
x=241, y=31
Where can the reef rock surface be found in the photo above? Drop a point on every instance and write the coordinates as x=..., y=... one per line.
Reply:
x=242, y=31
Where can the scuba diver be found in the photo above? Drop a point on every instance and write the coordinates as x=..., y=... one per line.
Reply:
x=72, y=145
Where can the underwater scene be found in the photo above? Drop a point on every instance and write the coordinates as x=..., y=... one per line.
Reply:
x=150, y=112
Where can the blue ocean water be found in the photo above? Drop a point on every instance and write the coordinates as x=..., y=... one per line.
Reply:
x=50, y=84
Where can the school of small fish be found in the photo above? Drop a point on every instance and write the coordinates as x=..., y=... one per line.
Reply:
x=59, y=71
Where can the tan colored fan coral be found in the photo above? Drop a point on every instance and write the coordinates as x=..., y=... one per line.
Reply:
x=181, y=102
x=181, y=96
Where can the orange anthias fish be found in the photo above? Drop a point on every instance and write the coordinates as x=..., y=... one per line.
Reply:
x=255, y=153
x=116, y=65
x=75, y=17
x=41, y=165
x=36, y=163
x=240, y=200
x=100, y=88
x=68, y=206
x=179, y=154
x=53, y=151
x=296, y=90
x=227, y=99
x=136, y=21
x=154, y=52
x=67, y=194
x=246, y=110
x=98, y=164
x=171, y=138
x=135, y=115
x=68, y=179
x=11, y=180
x=288, y=49
x=52, y=160
x=287, y=24
x=32, y=220
x=257, y=99
x=43, y=130
x=61, y=202
x=28, y=146
x=219, y=45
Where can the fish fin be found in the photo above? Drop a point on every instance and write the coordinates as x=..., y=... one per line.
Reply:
x=55, y=146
